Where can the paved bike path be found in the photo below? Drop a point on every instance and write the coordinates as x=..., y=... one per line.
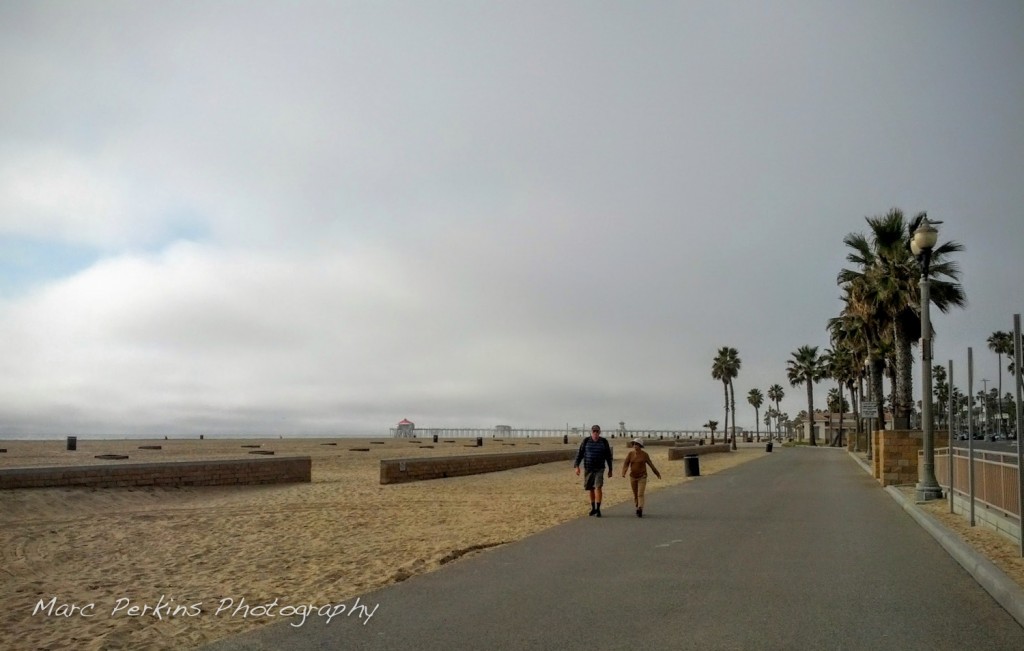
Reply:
x=797, y=550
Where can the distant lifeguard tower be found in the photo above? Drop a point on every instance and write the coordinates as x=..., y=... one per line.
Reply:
x=406, y=428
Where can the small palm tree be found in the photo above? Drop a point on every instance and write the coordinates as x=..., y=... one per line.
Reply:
x=711, y=425
x=806, y=367
x=756, y=399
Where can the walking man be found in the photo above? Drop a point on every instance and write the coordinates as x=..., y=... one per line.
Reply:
x=595, y=452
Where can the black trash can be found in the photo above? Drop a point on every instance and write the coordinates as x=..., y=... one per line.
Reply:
x=691, y=465
x=768, y=446
x=435, y=438
x=565, y=439
x=479, y=441
x=72, y=442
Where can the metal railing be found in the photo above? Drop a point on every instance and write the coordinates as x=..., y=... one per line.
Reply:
x=995, y=478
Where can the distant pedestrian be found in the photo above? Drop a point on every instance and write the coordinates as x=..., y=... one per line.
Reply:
x=595, y=452
x=636, y=462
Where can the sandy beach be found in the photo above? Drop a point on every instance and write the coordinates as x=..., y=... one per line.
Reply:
x=320, y=543
x=186, y=553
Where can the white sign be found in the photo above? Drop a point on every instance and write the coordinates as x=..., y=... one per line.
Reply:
x=868, y=409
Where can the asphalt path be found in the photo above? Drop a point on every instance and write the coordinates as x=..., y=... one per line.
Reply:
x=797, y=550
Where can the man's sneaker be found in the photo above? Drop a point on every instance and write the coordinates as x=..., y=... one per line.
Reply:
x=597, y=512
x=640, y=512
x=593, y=511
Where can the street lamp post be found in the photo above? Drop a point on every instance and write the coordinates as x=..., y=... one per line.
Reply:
x=921, y=244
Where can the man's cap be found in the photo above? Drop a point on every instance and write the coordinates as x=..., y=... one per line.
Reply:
x=637, y=442
x=595, y=428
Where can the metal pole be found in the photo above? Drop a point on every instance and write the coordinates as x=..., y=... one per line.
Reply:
x=970, y=430
x=1020, y=420
x=949, y=425
x=927, y=486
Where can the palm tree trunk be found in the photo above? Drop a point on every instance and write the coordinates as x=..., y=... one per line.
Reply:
x=856, y=408
x=732, y=401
x=778, y=422
x=841, y=415
x=892, y=394
x=725, y=388
x=877, y=393
x=810, y=410
x=903, y=403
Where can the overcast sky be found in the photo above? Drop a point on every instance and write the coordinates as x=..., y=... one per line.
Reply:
x=320, y=218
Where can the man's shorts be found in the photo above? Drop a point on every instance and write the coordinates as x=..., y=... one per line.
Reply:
x=593, y=479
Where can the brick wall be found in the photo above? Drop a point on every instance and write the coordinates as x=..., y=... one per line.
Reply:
x=396, y=471
x=685, y=451
x=895, y=456
x=182, y=473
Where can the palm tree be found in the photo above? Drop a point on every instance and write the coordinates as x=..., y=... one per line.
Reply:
x=733, y=363
x=756, y=399
x=941, y=392
x=806, y=367
x=711, y=425
x=885, y=287
x=837, y=404
x=1009, y=366
x=725, y=367
x=720, y=371
x=842, y=365
x=853, y=337
x=776, y=394
x=1001, y=343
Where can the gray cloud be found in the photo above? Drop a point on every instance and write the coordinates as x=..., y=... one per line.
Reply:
x=325, y=217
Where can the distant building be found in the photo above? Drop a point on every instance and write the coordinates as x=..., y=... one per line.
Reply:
x=826, y=425
x=406, y=428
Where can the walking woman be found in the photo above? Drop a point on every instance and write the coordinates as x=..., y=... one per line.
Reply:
x=636, y=462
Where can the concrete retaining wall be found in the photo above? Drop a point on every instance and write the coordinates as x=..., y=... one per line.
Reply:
x=685, y=451
x=396, y=471
x=280, y=470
